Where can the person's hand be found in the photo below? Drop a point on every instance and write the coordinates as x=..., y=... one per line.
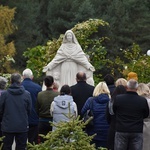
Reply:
x=92, y=68
x=45, y=69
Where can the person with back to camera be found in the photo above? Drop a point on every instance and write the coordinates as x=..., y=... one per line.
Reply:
x=143, y=90
x=34, y=89
x=68, y=60
x=132, y=75
x=97, y=104
x=109, y=79
x=81, y=91
x=130, y=109
x=3, y=82
x=61, y=104
x=15, y=105
x=120, y=89
x=121, y=81
x=44, y=101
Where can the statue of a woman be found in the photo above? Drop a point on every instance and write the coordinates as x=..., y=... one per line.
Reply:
x=68, y=61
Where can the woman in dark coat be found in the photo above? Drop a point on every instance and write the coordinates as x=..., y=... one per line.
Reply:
x=120, y=89
x=101, y=97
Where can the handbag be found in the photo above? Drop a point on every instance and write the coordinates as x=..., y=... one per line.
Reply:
x=88, y=115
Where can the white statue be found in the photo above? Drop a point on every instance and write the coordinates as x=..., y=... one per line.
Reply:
x=68, y=61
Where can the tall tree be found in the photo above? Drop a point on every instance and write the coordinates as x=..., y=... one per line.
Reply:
x=130, y=23
x=7, y=49
x=39, y=20
x=60, y=16
x=84, y=12
x=28, y=33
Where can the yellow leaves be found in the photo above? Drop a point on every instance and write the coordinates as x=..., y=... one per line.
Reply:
x=85, y=29
x=89, y=24
x=6, y=17
x=7, y=49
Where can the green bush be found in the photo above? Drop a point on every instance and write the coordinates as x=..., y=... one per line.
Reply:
x=67, y=136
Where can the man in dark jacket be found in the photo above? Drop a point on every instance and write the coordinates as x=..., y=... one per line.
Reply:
x=81, y=91
x=15, y=106
x=34, y=89
x=130, y=110
x=109, y=79
x=43, y=104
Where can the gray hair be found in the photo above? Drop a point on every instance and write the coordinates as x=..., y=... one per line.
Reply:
x=27, y=73
x=132, y=84
x=16, y=78
x=3, y=82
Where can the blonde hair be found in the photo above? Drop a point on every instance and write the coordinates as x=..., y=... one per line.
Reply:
x=143, y=90
x=121, y=81
x=101, y=88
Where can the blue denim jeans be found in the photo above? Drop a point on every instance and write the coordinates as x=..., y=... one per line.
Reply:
x=128, y=141
x=20, y=139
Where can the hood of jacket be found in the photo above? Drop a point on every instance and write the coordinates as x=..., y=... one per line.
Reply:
x=102, y=98
x=16, y=89
x=63, y=101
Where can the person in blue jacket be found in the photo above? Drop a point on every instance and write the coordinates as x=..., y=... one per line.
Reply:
x=34, y=89
x=15, y=107
x=97, y=104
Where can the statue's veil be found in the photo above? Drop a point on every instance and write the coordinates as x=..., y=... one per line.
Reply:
x=74, y=39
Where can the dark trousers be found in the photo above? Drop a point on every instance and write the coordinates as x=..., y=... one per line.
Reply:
x=128, y=141
x=33, y=134
x=44, y=128
x=20, y=139
x=99, y=143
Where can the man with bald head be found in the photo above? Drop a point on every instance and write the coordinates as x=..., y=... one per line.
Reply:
x=81, y=91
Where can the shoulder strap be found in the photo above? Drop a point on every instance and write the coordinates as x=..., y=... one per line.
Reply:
x=110, y=106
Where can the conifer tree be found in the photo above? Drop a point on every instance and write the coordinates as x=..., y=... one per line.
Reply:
x=68, y=136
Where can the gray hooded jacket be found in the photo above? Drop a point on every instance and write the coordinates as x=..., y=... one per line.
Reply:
x=61, y=106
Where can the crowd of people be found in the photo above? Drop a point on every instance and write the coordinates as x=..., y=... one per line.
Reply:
x=120, y=109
